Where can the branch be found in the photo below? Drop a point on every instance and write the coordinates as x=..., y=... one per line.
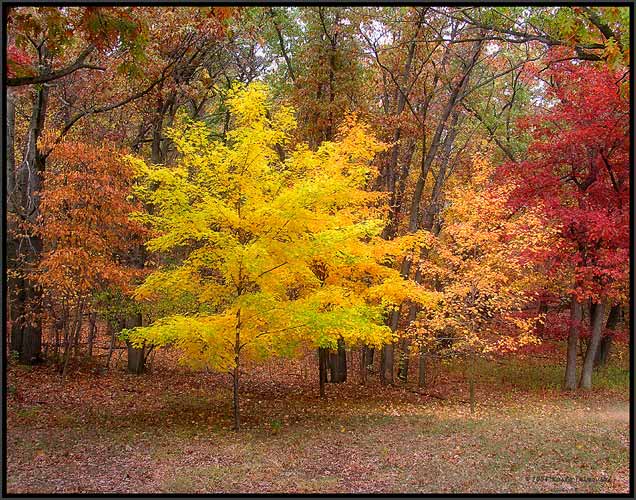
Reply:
x=602, y=27
x=270, y=270
x=529, y=37
x=109, y=107
x=507, y=151
x=60, y=73
x=282, y=46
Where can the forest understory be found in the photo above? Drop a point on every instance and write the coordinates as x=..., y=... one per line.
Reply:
x=170, y=431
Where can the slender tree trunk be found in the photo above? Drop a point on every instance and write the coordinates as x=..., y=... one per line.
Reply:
x=363, y=364
x=605, y=347
x=78, y=329
x=576, y=313
x=57, y=343
x=403, y=365
x=235, y=373
x=92, y=331
x=322, y=369
x=10, y=144
x=136, y=355
x=73, y=336
x=597, y=314
x=421, y=379
x=111, y=347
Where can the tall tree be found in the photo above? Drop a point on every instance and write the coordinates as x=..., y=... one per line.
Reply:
x=578, y=170
x=273, y=254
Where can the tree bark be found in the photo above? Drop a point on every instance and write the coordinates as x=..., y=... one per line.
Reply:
x=136, y=355
x=403, y=364
x=10, y=144
x=338, y=363
x=235, y=373
x=386, y=364
x=92, y=331
x=24, y=251
x=111, y=346
x=597, y=314
x=421, y=379
x=363, y=364
x=322, y=369
x=576, y=313
x=605, y=347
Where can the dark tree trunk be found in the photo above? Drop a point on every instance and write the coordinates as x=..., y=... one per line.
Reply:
x=78, y=331
x=136, y=355
x=338, y=363
x=236, y=373
x=576, y=313
x=92, y=331
x=363, y=364
x=605, y=347
x=323, y=355
x=24, y=251
x=386, y=364
x=235, y=399
x=111, y=346
x=421, y=379
x=403, y=365
x=597, y=314
x=159, y=147
x=71, y=337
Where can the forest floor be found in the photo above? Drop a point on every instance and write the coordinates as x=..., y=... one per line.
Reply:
x=170, y=431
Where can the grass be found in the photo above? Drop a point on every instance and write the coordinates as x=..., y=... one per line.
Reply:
x=537, y=376
x=521, y=438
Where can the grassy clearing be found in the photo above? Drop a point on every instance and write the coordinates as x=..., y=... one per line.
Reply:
x=174, y=436
x=539, y=376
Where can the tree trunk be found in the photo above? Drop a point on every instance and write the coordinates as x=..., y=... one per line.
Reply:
x=323, y=354
x=386, y=364
x=92, y=331
x=363, y=365
x=24, y=251
x=235, y=399
x=78, y=330
x=403, y=365
x=136, y=355
x=57, y=341
x=235, y=373
x=576, y=313
x=605, y=347
x=111, y=347
x=338, y=363
x=421, y=379
x=71, y=337
x=597, y=314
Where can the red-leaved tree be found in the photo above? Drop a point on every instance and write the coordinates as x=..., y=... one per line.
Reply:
x=577, y=170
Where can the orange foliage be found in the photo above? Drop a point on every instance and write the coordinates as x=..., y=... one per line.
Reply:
x=84, y=221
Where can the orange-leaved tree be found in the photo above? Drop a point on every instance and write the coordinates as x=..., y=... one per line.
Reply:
x=84, y=222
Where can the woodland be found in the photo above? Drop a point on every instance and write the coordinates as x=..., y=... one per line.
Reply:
x=317, y=249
